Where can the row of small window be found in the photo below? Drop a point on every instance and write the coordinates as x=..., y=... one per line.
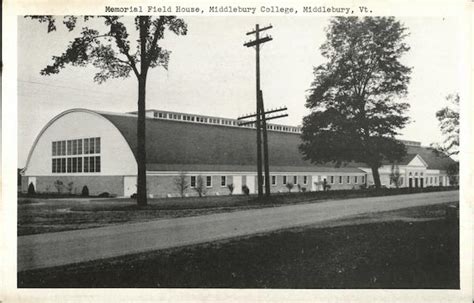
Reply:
x=76, y=165
x=294, y=180
x=208, y=181
x=432, y=180
x=416, y=173
x=355, y=179
x=75, y=147
x=286, y=178
x=193, y=118
x=220, y=121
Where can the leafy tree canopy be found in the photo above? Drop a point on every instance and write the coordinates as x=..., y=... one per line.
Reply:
x=448, y=118
x=111, y=51
x=354, y=98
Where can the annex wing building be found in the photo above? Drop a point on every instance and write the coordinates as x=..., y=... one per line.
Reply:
x=81, y=147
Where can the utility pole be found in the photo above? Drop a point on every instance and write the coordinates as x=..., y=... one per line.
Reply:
x=260, y=111
x=266, y=166
x=265, y=116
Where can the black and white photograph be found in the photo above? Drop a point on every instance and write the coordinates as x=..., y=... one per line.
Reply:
x=238, y=147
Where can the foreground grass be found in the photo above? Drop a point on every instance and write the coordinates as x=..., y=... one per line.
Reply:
x=412, y=248
x=37, y=216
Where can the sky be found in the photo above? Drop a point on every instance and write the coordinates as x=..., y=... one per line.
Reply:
x=211, y=73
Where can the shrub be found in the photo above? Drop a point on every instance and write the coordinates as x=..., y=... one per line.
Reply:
x=85, y=191
x=181, y=183
x=231, y=188
x=104, y=195
x=70, y=187
x=31, y=189
x=303, y=189
x=59, y=185
x=200, y=187
x=245, y=190
x=289, y=185
x=134, y=196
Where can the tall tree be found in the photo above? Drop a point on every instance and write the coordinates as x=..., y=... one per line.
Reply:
x=110, y=51
x=448, y=118
x=354, y=98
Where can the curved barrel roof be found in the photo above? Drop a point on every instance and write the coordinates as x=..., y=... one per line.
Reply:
x=184, y=146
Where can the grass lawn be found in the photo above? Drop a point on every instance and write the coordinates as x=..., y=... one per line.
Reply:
x=41, y=215
x=408, y=248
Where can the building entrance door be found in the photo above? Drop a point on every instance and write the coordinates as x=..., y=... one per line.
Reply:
x=410, y=182
x=416, y=182
x=237, y=185
x=421, y=182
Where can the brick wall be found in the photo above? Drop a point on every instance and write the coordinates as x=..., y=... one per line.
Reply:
x=95, y=184
x=164, y=186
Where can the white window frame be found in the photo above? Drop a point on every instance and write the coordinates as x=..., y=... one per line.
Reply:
x=191, y=182
x=210, y=178
x=285, y=180
x=348, y=179
x=305, y=180
x=363, y=180
x=295, y=180
x=341, y=179
x=355, y=180
x=274, y=180
x=331, y=179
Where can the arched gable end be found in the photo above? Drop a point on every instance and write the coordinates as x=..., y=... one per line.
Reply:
x=115, y=153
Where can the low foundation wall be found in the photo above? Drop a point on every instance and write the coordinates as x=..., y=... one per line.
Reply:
x=74, y=184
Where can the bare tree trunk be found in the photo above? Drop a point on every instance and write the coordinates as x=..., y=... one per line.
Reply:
x=141, y=126
x=376, y=176
x=141, y=152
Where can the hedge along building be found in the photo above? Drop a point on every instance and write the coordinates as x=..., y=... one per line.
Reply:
x=80, y=147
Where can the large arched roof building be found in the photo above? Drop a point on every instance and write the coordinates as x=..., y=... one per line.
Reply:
x=81, y=147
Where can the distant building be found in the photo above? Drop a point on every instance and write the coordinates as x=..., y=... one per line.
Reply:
x=81, y=147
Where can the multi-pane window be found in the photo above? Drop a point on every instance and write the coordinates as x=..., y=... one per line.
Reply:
x=91, y=164
x=208, y=181
x=295, y=179
x=355, y=179
x=274, y=180
x=284, y=180
x=332, y=179
x=65, y=156
x=223, y=181
x=305, y=180
x=348, y=180
x=193, y=181
x=69, y=165
x=340, y=179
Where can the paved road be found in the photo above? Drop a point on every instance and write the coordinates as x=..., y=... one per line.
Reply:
x=52, y=249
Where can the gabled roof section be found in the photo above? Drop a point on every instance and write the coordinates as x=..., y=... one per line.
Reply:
x=417, y=161
x=433, y=159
